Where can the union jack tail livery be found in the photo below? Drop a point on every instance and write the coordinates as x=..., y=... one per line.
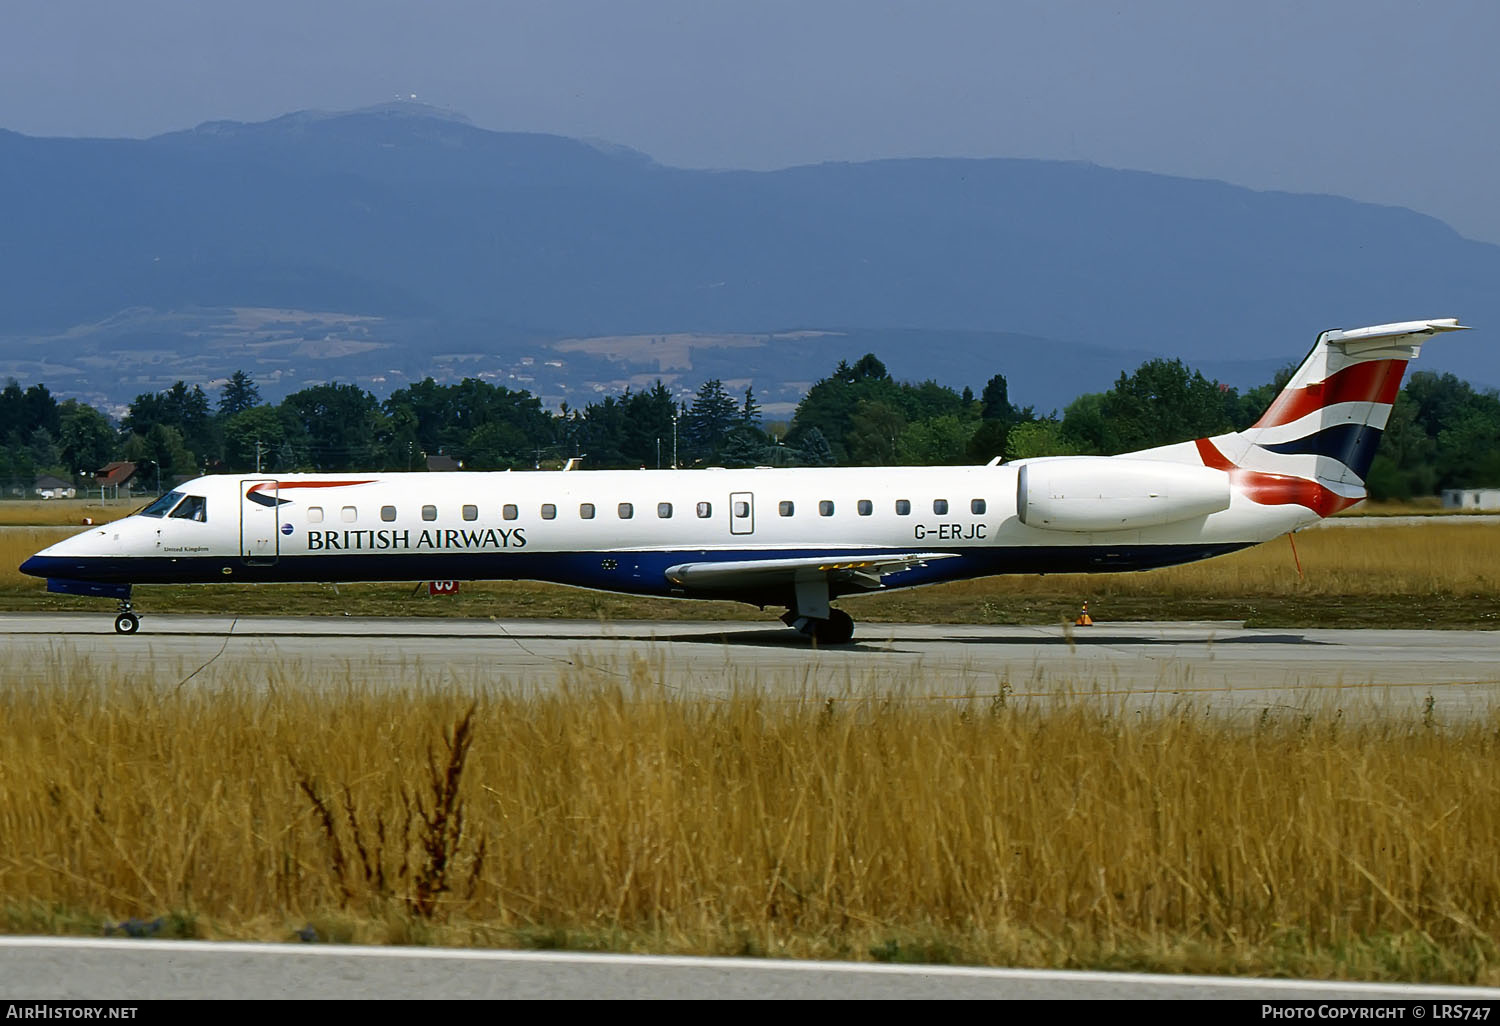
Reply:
x=1314, y=446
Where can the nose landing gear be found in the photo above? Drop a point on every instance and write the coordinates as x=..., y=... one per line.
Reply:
x=126, y=622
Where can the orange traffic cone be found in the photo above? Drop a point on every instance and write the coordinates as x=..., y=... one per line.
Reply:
x=1084, y=620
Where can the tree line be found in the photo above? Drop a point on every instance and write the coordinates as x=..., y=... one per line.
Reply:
x=1442, y=432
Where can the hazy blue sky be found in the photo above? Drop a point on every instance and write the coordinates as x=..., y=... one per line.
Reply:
x=1381, y=101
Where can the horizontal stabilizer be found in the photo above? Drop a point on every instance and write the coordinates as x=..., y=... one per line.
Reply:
x=1403, y=339
x=1428, y=327
x=729, y=575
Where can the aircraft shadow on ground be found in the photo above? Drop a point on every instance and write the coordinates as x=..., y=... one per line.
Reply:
x=775, y=637
x=769, y=638
x=872, y=641
x=1130, y=639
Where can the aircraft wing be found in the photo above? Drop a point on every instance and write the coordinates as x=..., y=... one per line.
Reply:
x=743, y=574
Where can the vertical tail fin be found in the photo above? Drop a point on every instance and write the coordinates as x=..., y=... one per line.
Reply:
x=1315, y=443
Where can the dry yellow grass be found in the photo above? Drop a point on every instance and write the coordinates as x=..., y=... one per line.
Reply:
x=36, y=512
x=1424, y=504
x=1367, y=576
x=618, y=817
x=19, y=543
x=1447, y=556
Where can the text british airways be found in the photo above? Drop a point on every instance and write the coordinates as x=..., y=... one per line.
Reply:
x=376, y=540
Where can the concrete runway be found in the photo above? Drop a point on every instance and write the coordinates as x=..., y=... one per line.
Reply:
x=1218, y=666
x=1416, y=520
x=72, y=968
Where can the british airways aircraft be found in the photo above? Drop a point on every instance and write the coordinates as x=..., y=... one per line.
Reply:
x=793, y=538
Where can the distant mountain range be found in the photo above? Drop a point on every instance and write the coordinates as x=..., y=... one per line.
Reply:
x=382, y=245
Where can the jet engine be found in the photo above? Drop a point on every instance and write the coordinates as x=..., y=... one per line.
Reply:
x=1110, y=493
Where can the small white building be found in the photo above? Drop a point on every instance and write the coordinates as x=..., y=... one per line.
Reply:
x=1471, y=498
x=49, y=487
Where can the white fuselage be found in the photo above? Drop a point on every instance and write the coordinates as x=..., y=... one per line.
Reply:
x=619, y=530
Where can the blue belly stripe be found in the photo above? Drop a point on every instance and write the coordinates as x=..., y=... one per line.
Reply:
x=101, y=589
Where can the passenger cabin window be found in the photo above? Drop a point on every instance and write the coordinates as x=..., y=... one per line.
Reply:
x=429, y=512
x=471, y=512
x=705, y=510
x=160, y=507
x=585, y=511
x=348, y=514
x=549, y=511
x=865, y=507
x=825, y=508
x=741, y=509
x=940, y=506
x=903, y=507
x=627, y=510
x=976, y=506
x=194, y=507
x=785, y=508
x=388, y=513
x=509, y=511
x=315, y=514
x=664, y=510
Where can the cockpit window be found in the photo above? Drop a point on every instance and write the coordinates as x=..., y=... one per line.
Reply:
x=160, y=506
x=194, y=507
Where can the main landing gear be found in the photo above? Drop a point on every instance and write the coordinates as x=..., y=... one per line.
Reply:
x=811, y=614
x=837, y=629
x=126, y=622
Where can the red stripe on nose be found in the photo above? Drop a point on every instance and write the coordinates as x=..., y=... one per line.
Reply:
x=285, y=485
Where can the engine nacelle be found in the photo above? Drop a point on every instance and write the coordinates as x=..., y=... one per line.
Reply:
x=1108, y=493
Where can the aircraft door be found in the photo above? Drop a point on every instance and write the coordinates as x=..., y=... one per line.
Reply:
x=741, y=513
x=260, y=522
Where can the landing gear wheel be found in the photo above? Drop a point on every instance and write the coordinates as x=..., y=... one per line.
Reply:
x=127, y=623
x=836, y=630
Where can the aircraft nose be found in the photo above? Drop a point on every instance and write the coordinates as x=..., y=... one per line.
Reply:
x=44, y=563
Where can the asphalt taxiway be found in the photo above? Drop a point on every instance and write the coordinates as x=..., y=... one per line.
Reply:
x=141, y=970
x=1220, y=666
